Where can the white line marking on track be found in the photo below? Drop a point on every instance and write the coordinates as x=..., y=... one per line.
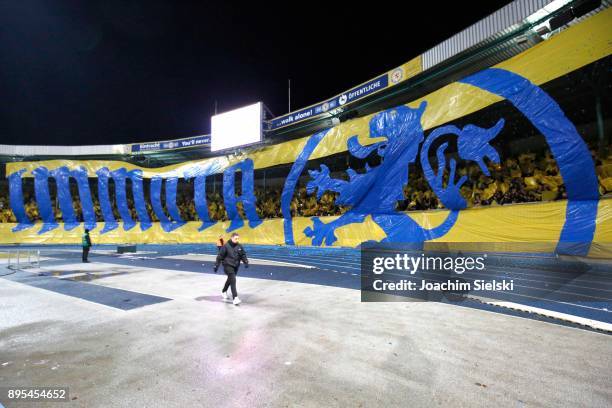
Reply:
x=596, y=324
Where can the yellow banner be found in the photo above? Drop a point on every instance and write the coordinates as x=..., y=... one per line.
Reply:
x=520, y=223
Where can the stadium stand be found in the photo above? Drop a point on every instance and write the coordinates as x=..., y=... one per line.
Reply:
x=527, y=173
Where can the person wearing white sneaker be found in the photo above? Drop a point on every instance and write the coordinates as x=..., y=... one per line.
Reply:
x=230, y=256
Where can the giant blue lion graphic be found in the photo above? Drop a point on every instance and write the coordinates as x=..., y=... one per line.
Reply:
x=377, y=191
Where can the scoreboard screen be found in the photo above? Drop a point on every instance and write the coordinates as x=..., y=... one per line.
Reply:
x=238, y=127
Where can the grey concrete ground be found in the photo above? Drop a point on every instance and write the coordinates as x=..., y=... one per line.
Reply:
x=289, y=344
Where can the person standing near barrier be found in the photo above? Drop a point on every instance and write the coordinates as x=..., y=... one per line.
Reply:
x=230, y=256
x=86, y=242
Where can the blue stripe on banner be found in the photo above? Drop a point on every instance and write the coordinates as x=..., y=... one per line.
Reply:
x=110, y=223
x=568, y=147
x=43, y=199
x=292, y=180
x=16, y=201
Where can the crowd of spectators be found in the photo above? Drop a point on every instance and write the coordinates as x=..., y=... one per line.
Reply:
x=526, y=178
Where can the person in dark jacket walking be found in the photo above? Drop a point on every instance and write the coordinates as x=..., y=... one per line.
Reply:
x=86, y=242
x=230, y=256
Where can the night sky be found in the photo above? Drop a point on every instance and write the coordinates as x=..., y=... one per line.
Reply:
x=98, y=72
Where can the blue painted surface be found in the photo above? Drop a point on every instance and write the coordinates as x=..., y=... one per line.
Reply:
x=590, y=286
x=112, y=297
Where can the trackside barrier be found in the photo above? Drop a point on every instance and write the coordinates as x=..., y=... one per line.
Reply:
x=23, y=258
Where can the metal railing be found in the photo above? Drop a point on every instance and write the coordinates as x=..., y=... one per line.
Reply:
x=23, y=258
